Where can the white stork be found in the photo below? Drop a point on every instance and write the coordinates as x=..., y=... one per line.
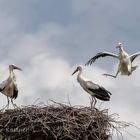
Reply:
x=95, y=90
x=125, y=61
x=9, y=86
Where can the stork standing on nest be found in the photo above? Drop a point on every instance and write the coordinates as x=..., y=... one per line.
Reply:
x=95, y=90
x=125, y=61
x=9, y=86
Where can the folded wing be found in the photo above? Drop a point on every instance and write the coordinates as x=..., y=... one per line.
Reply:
x=98, y=91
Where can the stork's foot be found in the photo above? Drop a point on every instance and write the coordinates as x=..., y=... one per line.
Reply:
x=6, y=107
x=105, y=74
x=15, y=106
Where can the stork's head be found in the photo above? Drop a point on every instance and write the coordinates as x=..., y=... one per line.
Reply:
x=120, y=45
x=12, y=67
x=79, y=68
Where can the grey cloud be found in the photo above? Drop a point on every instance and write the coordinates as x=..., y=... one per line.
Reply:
x=31, y=14
x=49, y=49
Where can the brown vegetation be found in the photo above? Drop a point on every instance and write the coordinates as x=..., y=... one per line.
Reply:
x=58, y=122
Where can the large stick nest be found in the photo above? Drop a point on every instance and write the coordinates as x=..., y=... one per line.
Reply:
x=57, y=122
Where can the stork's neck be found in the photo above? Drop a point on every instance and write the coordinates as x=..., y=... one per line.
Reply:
x=80, y=78
x=121, y=49
x=12, y=74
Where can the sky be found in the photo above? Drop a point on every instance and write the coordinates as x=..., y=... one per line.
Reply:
x=48, y=39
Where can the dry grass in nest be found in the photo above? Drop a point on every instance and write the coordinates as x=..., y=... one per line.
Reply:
x=58, y=122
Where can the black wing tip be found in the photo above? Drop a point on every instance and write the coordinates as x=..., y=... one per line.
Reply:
x=15, y=93
x=86, y=64
x=106, y=99
x=109, y=92
x=90, y=62
x=103, y=98
x=1, y=89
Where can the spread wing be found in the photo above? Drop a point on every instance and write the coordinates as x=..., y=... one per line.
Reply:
x=101, y=54
x=98, y=91
x=133, y=56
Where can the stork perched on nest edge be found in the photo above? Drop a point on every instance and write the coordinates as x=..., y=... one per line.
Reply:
x=95, y=90
x=9, y=86
x=125, y=65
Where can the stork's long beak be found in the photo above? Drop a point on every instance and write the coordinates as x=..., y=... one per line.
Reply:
x=15, y=67
x=74, y=71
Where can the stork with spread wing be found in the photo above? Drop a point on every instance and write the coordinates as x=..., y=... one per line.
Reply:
x=125, y=61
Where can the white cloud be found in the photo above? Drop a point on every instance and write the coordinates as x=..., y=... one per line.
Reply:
x=48, y=77
x=45, y=56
